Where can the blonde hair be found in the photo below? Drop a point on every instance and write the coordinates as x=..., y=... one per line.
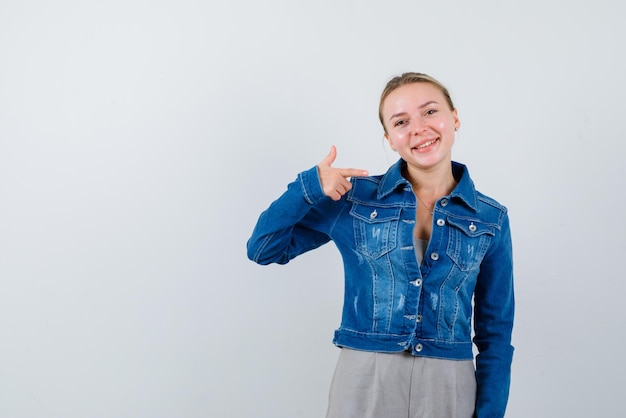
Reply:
x=410, y=78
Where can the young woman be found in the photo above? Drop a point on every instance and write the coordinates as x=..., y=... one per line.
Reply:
x=423, y=250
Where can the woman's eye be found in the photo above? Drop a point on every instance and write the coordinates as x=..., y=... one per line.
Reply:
x=431, y=112
x=399, y=123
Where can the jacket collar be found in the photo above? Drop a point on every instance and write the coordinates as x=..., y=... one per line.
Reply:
x=464, y=190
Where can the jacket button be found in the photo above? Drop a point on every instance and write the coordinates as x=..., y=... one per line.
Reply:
x=441, y=222
x=434, y=256
x=419, y=318
x=418, y=347
x=444, y=202
x=374, y=214
x=472, y=227
x=417, y=282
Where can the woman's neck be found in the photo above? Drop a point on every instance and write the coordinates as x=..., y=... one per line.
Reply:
x=430, y=185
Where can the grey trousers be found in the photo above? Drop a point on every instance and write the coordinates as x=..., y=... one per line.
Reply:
x=399, y=385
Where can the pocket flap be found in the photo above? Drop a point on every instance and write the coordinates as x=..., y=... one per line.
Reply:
x=372, y=214
x=472, y=227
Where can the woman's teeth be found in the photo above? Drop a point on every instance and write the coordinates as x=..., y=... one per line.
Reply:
x=426, y=144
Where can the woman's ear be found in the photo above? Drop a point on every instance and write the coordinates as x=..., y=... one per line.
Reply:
x=393, y=148
x=457, y=121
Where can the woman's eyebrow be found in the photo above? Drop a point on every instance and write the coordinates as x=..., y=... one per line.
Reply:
x=397, y=114
x=428, y=103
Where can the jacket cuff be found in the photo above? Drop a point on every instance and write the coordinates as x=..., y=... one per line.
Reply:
x=311, y=185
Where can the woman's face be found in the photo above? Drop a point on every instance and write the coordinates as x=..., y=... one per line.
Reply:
x=420, y=125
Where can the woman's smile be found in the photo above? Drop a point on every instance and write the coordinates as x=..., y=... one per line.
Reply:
x=424, y=146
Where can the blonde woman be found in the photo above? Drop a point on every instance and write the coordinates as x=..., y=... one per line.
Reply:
x=426, y=257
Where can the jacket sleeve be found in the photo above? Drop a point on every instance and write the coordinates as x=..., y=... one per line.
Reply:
x=494, y=307
x=290, y=226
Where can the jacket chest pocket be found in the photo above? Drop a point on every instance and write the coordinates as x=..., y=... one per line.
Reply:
x=375, y=229
x=468, y=242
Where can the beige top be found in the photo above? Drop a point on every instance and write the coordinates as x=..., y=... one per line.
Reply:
x=420, y=248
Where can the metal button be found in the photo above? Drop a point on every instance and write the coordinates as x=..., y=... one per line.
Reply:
x=444, y=202
x=418, y=347
x=374, y=214
x=417, y=282
x=472, y=227
x=440, y=222
x=419, y=318
x=434, y=256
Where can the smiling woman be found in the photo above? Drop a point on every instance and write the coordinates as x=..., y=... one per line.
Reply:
x=419, y=244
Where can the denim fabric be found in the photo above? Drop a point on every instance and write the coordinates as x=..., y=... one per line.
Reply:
x=392, y=303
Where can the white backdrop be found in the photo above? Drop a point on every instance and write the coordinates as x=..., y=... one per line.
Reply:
x=140, y=140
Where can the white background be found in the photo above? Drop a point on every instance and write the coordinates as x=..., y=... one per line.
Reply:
x=140, y=140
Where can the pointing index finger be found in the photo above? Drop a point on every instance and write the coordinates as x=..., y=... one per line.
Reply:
x=353, y=172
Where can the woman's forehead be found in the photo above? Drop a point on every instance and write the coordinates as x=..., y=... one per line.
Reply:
x=414, y=95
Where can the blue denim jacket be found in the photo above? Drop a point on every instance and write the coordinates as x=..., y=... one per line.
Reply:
x=391, y=303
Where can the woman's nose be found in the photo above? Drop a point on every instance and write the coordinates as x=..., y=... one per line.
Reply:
x=418, y=130
x=418, y=126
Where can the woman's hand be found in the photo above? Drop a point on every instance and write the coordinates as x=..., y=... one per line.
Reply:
x=335, y=181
